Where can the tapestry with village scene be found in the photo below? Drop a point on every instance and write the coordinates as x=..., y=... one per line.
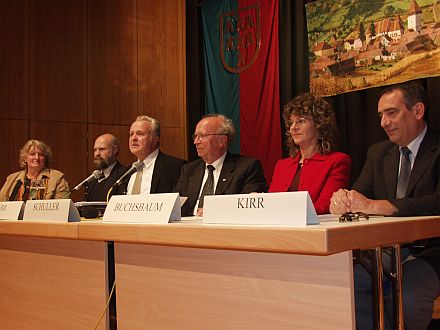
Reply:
x=357, y=44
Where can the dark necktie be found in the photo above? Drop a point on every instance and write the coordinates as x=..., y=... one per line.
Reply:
x=208, y=188
x=405, y=171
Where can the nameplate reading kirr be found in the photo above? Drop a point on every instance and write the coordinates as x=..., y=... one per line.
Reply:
x=250, y=203
x=275, y=209
x=11, y=210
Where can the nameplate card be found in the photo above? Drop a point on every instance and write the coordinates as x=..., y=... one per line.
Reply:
x=287, y=209
x=56, y=210
x=11, y=210
x=146, y=208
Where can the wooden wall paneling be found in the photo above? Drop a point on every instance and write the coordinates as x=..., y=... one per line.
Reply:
x=58, y=60
x=14, y=59
x=112, y=61
x=173, y=141
x=162, y=66
x=14, y=133
x=69, y=145
x=121, y=133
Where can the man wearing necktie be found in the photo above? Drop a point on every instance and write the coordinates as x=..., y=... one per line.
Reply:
x=160, y=171
x=400, y=177
x=105, y=159
x=217, y=171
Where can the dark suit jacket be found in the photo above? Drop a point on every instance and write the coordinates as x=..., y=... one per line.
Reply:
x=97, y=191
x=378, y=179
x=239, y=175
x=166, y=173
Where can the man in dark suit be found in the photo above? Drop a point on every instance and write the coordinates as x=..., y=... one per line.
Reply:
x=160, y=171
x=105, y=155
x=231, y=174
x=400, y=177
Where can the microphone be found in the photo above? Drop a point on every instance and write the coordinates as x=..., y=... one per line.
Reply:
x=135, y=167
x=96, y=175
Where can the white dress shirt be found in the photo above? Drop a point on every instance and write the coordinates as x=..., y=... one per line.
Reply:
x=414, y=147
x=147, y=174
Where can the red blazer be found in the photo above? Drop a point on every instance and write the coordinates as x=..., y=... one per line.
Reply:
x=321, y=176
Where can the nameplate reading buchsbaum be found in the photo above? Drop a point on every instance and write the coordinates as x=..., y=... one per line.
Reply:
x=57, y=210
x=147, y=208
x=287, y=209
x=11, y=210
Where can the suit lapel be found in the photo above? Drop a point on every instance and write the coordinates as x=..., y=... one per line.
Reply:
x=226, y=175
x=196, y=180
x=157, y=172
x=423, y=160
x=391, y=161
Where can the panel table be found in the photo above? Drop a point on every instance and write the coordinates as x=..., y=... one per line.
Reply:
x=49, y=279
x=195, y=276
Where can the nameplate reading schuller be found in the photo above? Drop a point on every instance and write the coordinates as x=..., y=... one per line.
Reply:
x=58, y=210
x=147, y=208
x=286, y=209
x=11, y=210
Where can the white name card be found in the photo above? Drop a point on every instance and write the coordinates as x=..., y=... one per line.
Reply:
x=57, y=210
x=147, y=208
x=287, y=208
x=11, y=210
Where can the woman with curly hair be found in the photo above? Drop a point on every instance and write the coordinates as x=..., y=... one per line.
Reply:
x=313, y=165
x=35, y=159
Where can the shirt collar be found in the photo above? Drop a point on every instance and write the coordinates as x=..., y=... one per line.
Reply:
x=316, y=156
x=151, y=158
x=218, y=163
x=415, y=144
x=107, y=171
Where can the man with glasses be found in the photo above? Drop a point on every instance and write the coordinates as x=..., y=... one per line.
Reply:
x=160, y=172
x=401, y=177
x=217, y=171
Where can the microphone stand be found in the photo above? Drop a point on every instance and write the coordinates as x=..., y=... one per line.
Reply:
x=86, y=191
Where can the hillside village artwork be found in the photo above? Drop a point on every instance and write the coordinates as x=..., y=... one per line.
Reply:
x=361, y=44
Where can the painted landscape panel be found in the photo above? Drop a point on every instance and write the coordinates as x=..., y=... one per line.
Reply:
x=357, y=44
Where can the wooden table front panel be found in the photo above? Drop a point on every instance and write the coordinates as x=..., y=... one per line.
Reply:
x=51, y=283
x=191, y=288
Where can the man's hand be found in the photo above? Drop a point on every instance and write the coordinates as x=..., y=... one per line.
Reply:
x=358, y=202
x=344, y=201
x=340, y=203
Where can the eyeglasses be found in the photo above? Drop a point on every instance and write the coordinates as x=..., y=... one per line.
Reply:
x=350, y=217
x=201, y=136
x=301, y=121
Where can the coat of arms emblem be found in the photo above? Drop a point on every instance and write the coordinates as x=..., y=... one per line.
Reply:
x=240, y=37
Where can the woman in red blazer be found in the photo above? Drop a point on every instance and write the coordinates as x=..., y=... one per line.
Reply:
x=313, y=165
